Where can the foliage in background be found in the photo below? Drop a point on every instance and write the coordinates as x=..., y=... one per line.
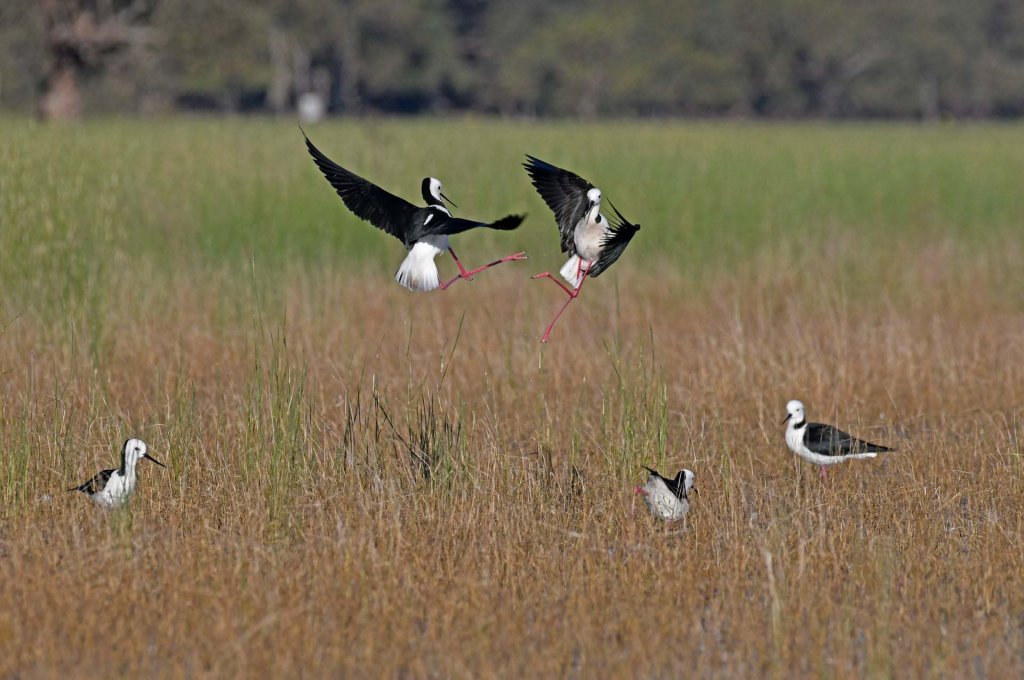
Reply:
x=779, y=58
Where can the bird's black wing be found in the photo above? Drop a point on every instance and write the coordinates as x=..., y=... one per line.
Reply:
x=620, y=233
x=366, y=200
x=96, y=484
x=677, y=486
x=826, y=440
x=455, y=225
x=564, y=192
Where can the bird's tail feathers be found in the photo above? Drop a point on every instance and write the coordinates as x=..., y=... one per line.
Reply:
x=418, y=271
x=572, y=271
x=507, y=223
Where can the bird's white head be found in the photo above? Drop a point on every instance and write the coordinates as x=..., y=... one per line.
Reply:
x=433, y=195
x=135, y=450
x=594, y=205
x=794, y=413
x=688, y=479
x=434, y=188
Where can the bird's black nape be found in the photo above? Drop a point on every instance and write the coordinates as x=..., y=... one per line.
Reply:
x=428, y=197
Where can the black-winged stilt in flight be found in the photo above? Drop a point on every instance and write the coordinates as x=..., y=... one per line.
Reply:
x=593, y=242
x=667, y=499
x=424, y=231
x=113, y=488
x=823, y=444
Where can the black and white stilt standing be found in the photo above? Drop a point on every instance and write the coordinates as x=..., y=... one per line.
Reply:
x=423, y=231
x=823, y=445
x=592, y=241
x=113, y=488
x=667, y=499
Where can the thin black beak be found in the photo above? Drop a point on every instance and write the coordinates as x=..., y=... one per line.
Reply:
x=788, y=416
x=449, y=200
x=146, y=455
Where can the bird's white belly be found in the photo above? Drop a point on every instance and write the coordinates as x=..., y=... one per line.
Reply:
x=438, y=243
x=664, y=504
x=588, y=238
x=418, y=271
x=817, y=458
x=115, y=494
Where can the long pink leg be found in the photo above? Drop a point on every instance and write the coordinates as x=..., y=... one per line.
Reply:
x=823, y=473
x=547, y=275
x=464, y=274
x=573, y=294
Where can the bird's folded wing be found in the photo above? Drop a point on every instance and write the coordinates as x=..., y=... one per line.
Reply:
x=564, y=192
x=365, y=199
x=96, y=484
x=620, y=233
x=826, y=440
x=676, y=486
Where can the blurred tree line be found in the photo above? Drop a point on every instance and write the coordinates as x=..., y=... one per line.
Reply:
x=773, y=58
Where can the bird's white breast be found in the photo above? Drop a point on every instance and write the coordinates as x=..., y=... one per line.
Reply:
x=434, y=244
x=795, y=441
x=116, y=493
x=662, y=503
x=589, y=236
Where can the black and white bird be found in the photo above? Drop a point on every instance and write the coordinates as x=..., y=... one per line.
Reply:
x=113, y=488
x=823, y=444
x=667, y=499
x=593, y=242
x=423, y=231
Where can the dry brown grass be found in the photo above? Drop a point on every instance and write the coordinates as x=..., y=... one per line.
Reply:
x=297, y=529
x=365, y=482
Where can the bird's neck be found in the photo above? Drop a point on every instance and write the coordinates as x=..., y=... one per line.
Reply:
x=800, y=425
x=127, y=469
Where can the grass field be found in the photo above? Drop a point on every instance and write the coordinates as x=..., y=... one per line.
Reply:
x=369, y=482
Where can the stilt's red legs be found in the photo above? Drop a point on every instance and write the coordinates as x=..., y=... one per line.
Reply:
x=636, y=490
x=823, y=473
x=547, y=275
x=468, y=274
x=573, y=294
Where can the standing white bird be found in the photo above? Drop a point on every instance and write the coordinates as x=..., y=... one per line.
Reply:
x=424, y=231
x=667, y=499
x=592, y=241
x=113, y=488
x=823, y=444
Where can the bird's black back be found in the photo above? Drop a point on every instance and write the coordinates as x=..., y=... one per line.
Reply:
x=826, y=440
x=677, y=486
x=96, y=484
x=621, y=232
x=564, y=192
